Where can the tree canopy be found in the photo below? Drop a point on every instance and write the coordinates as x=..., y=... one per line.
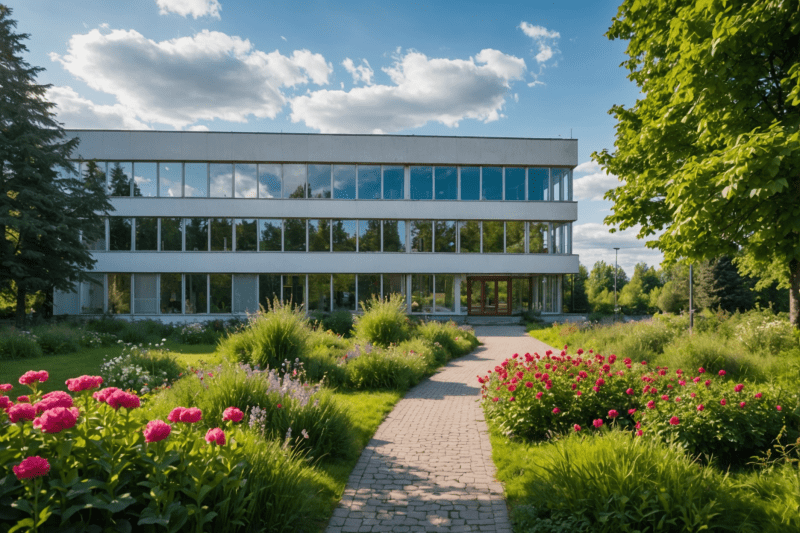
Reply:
x=709, y=157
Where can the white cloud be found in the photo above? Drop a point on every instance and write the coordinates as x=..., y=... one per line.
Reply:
x=545, y=40
x=178, y=82
x=361, y=73
x=76, y=112
x=594, y=185
x=195, y=8
x=538, y=32
x=592, y=242
x=424, y=90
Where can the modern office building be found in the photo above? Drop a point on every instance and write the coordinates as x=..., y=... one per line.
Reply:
x=210, y=224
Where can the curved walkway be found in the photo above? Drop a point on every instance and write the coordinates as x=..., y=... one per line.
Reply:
x=429, y=466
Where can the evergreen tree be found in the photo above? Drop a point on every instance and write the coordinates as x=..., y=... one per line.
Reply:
x=42, y=214
x=575, y=297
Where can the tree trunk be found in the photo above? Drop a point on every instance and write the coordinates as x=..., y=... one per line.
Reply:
x=21, y=293
x=794, y=293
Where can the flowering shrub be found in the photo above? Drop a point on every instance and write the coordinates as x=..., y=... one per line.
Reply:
x=197, y=333
x=763, y=331
x=140, y=369
x=92, y=339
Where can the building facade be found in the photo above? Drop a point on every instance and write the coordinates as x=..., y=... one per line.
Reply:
x=210, y=224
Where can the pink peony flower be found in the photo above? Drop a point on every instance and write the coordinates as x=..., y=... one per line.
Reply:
x=57, y=398
x=639, y=433
x=696, y=380
x=102, y=395
x=234, y=414
x=638, y=425
x=57, y=419
x=578, y=393
x=779, y=408
x=5, y=402
x=124, y=399
x=613, y=413
x=495, y=399
x=651, y=404
x=175, y=414
x=23, y=399
x=32, y=467
x=511, y=399
x=598, y=423
x=742, y=404
x=539, y=395
x=556, y=410
x=738, y=388
x=665, y=397
x=21, y=411
x=30, y=377
x=692, y=394
x=512, y=388
x=156, y=430
x=701, y=370
x=677, y=398
x=528, y=384
x=674, y=421
x=191, y=415
x=758, y=395
x=5, y=387
x=708, y=383
x=723, y=401
x=215, y=435
x=631, y=411
x=629, y=392
x=576, y=427
x=84, y=383
x=721, y=372
x=700, y=407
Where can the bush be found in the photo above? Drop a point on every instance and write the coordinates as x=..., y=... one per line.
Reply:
x=15, y=344
x=454, y=340
x=107, y=324
x=57, y=339
x=761, y=331
x=91, y=339
x=392, y=368
x=384, y=321
x=197, y=333
x=339, y=322
x=141, y=369
x=713, y=354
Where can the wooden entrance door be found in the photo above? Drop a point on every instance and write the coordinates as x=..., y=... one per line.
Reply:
x=488, y=295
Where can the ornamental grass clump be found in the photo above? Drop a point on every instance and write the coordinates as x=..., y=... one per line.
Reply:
x=18, y=344
x=455, y=341
x=384, y=321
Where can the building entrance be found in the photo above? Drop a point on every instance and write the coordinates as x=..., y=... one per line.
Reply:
x=489, y=295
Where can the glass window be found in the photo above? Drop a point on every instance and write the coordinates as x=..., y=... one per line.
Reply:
x=245, y=180
x=469, y=236
x=269, y=289
x=144, y=179
x=421, y=236
x=221, y=234
x=515, y=237
x=319, y=292
x=269, y=181
x=147, y=234
x=169, y=179
x=319, y=181
x=394, y=180
x=119, y=179
x=421, y=293
x=196, y=294
x=221, y=286
x=557, y=238
x=369, y=286
x=394, y=235
x=421, y=183
x=120, y=233
x=446, y=183
x=470, y=183
x=493, y=236
x=344, y=181
x=171, y=293
x=196, y=234
x=394, y=284
x=369, y=235
x=245, y=297
x=294, y=235
x=344, y=235
x=537, y=237
x=269, y=235
x=119, y=294
x=221, y=180
x=492, y=183
x=520, y=288
x=145, y=297
x=344, y=292
x=171, y=236
x=196, y=180
x=559, y=178
x=443, y=293
x=246, y=235
x=94, y=174
x=538, y=183
x=96, y=242
x=92, y=295
x=319, y=235
x=369, y=182
x=294, y=289
x=294, y=181
x=515, y=184
x=445, y=238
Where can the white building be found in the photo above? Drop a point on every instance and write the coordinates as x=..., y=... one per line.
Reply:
x=208, y=224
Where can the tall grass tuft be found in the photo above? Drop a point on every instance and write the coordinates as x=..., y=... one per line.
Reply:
x=58, y=338
x=15, y=344
x=384, y=321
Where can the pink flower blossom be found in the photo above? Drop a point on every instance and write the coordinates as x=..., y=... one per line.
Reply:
x=234, y=414
x=692, y=394
x=674, y=421
x=638, y=425
x=279, y=405
x=539, y=395
x=631, y=411
x=708, y=383
x=556, y=410
x=701, y=370
x=103, y=394
x=57, y=398
x=738, y=388
x=57, y=419
x=84, y=383
x=124, y=399
x=701, y=407
x=576, y=427
x=5, y=387
x=495, y=399
x=758, y=395
x=651, y=404
x=5, y=402
x=696, y=380
x=665, y=397
x=721, y=372
x=613, y=413
x=512, y=388
x=629, y=392
x=723, y=401
x=191, y=415
x=677, y=398
x=598, y=423
x=742, y=404
x=639, y=433
x=156, y=430
x=175, y=414
x=215, y=435
x=778, y=407
x=23, y=399
x=578, y=393
x=511, y=399
x=528, y=384
x=32, y=467
x=21, y=411
x=31, y=377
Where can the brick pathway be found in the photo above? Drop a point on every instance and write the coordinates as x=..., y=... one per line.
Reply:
x=429, y=466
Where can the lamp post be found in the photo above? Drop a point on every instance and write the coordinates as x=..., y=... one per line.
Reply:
x=616, y=253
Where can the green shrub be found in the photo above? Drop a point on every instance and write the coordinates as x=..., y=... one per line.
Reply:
x=92, y=339
x=384, y=321
x=339, y=322
x=713, y=354
x=141, y=369
x=392, y=368
x=456, y=341
x=15, y=344
x=197, y=333
x=762, y=331
x=107, y=324
x=57, y=339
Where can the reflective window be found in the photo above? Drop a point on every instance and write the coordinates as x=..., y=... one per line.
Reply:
x=520, y=288
x=369, y=182
x=446, y=183
x=394, y=284
x=245, y=180
x=394, y=236
x=493, y=236
x=120, y=234
x=369, y=287
x=294, y=235
x=319, y=235
x=319, y=181
x=470, y=183
x=92, y=291
x=515, y=183
x=469, y=236
x=421, y=183
x=245, y=295
x=445, y=238
x=145, y=296
x=319, y=292
x=492, y=183
x=515, y=237
x=269, y=235
x=344, y=235
x=196, y=180
x=369, y=235
x=96, y=240
x=169, y=179
x=171, y=235
x=145, y=179
x=294, y=181
x=294, y=289
x=537, y=237
x=559, y=179
x=94, y=174
x=221, y=235
x=344, y=181
x=147, y=234
x=421, y=293
x=558, y=238
x=269, y=289
x=421, y=236
x=269, y=181
x=393, y=183
x=344, y=292
x=196, y=294
x=119, y=179
x=538, y=183
x=443, y=293
x=221, y=291
x=119, y=294
x=221, y=180
x=246, y=235
x=171, y=293
x=196, y=234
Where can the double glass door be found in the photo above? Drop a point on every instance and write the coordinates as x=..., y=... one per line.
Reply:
x=488, y=295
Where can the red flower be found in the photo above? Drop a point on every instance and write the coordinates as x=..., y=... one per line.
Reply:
x=644, y=362
x=234, y=414
x=511, y=399
x=677, y=398
x=692, y=394
x=578, y=393
x=156, y=430
x=191, y=415
x=629, y=392
x=638, y=425
x=5, y=402
x=696, y=380
x=31, y=377
x=738, y=388
x=21, y=411
x=279, y=405
x=778, y=407
x=701, y=370
x=651, y=404
x=576, y=427
x=613, y=413
x=57, y=419
x=674, y=421
x=124, y=399
x=639, y=433
x=758, y=395
x=215, y=435
x=512, y=388
x=721, y=372
x=84, y=383
x=598, y=423
x=175, y=414
x=57, y=398
x=539, y=395
x=708, y=383
x=5, y=387
x=493, y=399
x=102, y=395
x=556, y=410
x=528, y=384
x=665, y=397
x=723, y=401
x=23, y=399
x=741, y=404
x=32, y=467
x=700, y=407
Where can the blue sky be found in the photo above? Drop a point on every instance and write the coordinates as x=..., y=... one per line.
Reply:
x=509, y=69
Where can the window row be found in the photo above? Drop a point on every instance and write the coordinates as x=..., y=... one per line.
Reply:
x=369, y=182
x=191, y=294
x=334, y=235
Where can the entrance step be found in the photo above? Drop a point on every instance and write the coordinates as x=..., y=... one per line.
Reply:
x=492, y=320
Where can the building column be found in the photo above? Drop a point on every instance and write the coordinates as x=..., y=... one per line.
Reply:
x=457, y=295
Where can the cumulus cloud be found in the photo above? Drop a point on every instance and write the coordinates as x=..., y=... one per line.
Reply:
x=545, y=40
x=362, y=73
x=76, y=112
x=423, y=90
x=195, y=8
x=593, y=242
x=210, y=75
x=595, y=184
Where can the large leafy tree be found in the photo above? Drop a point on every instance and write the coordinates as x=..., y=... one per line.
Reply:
x=710, y=155
x=45, y=208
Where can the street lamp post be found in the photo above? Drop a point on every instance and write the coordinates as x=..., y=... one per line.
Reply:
x=616, y=253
